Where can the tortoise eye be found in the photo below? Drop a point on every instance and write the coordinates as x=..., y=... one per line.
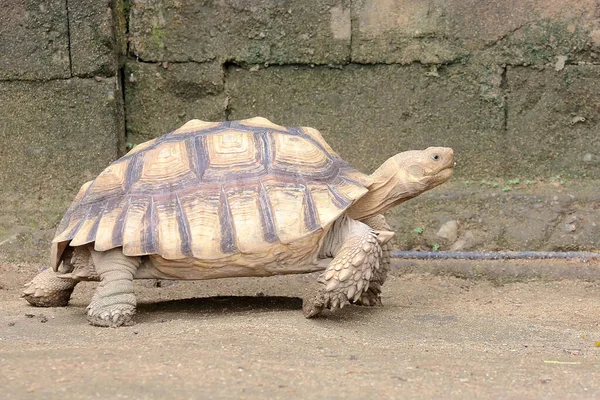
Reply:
x=435, y=157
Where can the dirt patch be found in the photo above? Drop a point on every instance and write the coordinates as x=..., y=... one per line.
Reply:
x=436, y=336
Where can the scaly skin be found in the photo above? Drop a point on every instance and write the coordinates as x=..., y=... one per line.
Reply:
x=48, y=290
x=349, y=273
x=372, y=296
x=114, y=302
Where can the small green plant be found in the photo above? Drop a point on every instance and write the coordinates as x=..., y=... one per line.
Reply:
x=131, y=145
x=467, y=183
x=514, y=181
x=435, y=247
x=495, y=184
x=483, y=182
x=158, y=36
x=529, y=182
x=558, y=179
x=419, y=230
x=506, y=189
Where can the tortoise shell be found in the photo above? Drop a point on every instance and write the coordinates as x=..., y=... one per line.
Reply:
x=210, y=190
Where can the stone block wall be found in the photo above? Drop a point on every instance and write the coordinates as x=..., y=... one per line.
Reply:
x=511, y=85
x=62, y=118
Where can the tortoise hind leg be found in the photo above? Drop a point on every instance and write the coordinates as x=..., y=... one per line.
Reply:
x=114, y=302
x=48, y=290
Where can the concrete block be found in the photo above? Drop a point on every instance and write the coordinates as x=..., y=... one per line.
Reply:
x=553, y=122
x=256, y=32
x=369, y=113
x=506, y=31
x=34, y=42
x=93, y=50
x=159, y=100
x=55, y=136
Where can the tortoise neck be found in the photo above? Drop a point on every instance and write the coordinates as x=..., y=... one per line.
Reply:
x=390, y=187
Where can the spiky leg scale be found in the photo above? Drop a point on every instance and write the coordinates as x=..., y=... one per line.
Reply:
x=349, y=273
x=48, y=290
x=372, y=296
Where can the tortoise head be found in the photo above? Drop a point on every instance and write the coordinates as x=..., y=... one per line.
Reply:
x=402, y=177
x=424, y=168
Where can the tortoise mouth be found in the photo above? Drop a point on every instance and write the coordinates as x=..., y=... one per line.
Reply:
x=451, y=163
x=446, y=171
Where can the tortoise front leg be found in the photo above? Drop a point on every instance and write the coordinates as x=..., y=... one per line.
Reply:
x=372, y=296
x=114, y=302
x=48, y=290
x=349, y=273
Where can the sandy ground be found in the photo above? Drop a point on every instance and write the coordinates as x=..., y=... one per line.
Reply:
x=436, y=337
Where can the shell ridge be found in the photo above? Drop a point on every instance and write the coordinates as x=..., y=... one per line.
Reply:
x=265, y=149
x=176, y=137
x=339, y=200
x=94, y=229
x=119, y=226
x=149, y=246
x=228, y=245
x=203, y=161
x=184, y=228
x=73, y=232
x=310, y=212
x=297, y=131
x=66, y=219
x=320, y=176
x=256, y=129
x=266, y=215
x=192, y=152
x=352, y=181
x=172, y=137
x=133, y=172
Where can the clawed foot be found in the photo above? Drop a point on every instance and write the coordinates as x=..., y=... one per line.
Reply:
x=314, y=305
x=113, y=316
x=48, y=290
x=111, y=307
x=370, y=298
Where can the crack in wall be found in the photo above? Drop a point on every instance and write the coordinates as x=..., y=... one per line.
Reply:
x=227, y=109
x=69, y=38
x=121, y=40
x=230, y=64
x=351, y=46
x=504, y=87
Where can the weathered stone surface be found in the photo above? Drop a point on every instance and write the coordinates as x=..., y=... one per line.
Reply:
x=34, y=42
x=529, y=217
x=264, y=31
x=501, y=31
x=159, y=99
x=55, y=136
x=448, y=231
x=402, y=31
x=369, y=113
x=553, y=122
x=93, y=50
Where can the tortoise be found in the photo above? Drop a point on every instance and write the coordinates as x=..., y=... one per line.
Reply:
x=232, y=199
